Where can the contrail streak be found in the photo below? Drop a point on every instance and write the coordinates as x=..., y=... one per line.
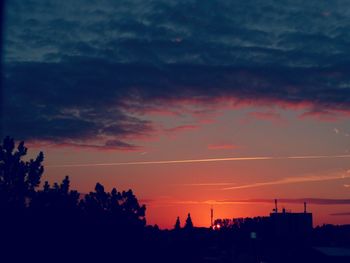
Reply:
x=291, y=180
x=202, y=160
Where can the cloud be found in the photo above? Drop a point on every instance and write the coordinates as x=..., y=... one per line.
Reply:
x=341, y=214
x=342, y=133
x=82, y=71
x=182, y=128
x=225, y=146
x=208, y=184
x=110, y=145
x=271, y=116
x=122, y=145
x=230, y=159
x=308, y=200
x=323, y=115
x=292, y=180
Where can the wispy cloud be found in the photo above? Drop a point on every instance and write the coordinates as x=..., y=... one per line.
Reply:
x=341, y=132
x=322, y=115
x=257, y=158
x=308, y=200
x=208, y=184
x=292, y=180
x=181, y=128
x=222, y=146
x=109, y=145
x=340, y=214
x=271, y=116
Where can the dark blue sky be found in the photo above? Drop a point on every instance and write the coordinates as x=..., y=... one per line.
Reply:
x=80, y=69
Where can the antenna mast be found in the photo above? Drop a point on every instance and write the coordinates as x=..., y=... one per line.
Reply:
x=276, y=210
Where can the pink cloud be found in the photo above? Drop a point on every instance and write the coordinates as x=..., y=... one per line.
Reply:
x=221, y=146
x=266, y=116
x=182, y=128
x=321, y=115
x=204, y=109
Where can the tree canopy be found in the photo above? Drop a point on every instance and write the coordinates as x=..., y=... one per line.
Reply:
x=18, y=179
x=20, y=191
x=177, y=224
x=189, y=224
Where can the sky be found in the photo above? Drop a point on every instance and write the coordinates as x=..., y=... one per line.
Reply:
x=192, y=104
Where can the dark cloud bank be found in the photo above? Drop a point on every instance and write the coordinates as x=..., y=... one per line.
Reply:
x=76, y=72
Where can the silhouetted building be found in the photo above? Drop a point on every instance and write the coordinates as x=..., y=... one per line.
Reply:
x=288, y=224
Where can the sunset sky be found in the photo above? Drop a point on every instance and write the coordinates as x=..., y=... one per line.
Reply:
x=191, y=104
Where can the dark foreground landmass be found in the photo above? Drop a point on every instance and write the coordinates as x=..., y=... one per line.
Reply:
x=52, y=241
x=51, y=223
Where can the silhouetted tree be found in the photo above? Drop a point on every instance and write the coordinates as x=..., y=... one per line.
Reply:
x=177, y=224
x=57, y=199
x=18, y=179
x=122, y=207
x=49, y=218
x=189, y=224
